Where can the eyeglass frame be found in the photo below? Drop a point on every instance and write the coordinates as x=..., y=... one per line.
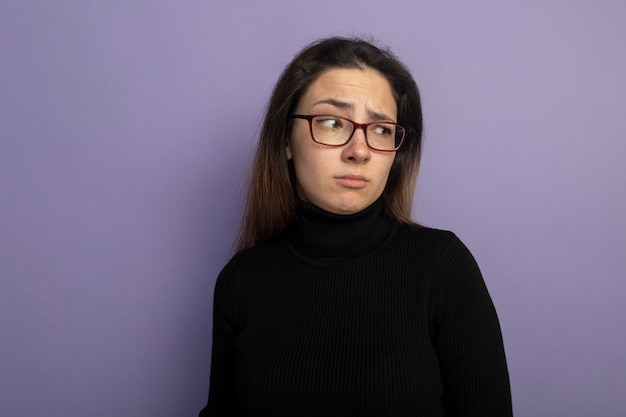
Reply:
x=309, y=118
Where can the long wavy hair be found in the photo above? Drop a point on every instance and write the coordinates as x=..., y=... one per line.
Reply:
x=271, y=200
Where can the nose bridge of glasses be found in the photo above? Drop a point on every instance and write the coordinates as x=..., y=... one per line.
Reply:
x=359, y=126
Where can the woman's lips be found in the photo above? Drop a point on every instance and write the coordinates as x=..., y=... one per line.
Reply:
x=352, y=181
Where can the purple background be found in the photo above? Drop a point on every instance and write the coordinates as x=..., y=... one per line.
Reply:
x=126, y=128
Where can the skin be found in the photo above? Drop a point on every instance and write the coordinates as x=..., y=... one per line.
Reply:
x=347, y=179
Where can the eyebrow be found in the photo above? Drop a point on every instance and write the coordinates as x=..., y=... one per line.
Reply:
x=345, y=105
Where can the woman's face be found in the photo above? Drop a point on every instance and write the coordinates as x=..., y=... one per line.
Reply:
x=346, y=179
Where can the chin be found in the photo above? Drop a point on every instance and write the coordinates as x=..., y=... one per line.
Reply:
x=349, y=208
x=343, y=205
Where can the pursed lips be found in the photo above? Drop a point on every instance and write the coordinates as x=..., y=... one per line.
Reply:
x=352, y=180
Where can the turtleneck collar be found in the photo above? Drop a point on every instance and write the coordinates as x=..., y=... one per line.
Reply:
x=320, y=234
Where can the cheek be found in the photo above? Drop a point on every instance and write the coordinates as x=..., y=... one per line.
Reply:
x=386, y=168
x=308, y=165
x=308, y=181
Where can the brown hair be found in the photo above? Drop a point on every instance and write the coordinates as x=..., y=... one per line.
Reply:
x=271, y=202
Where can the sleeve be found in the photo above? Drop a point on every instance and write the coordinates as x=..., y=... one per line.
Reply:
x=468, y=340
x=221, y=402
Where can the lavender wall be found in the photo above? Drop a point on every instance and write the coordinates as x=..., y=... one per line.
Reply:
x=125, y=132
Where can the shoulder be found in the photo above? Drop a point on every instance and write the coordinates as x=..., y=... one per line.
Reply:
x=437, y=240
x=249, y=262
x=449, y=256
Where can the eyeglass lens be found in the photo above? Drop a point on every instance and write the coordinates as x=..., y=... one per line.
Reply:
x=332, y=130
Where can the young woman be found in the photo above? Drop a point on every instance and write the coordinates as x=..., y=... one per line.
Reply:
x=337, y=304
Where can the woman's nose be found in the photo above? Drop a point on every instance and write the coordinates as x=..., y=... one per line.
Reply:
x=357, y=149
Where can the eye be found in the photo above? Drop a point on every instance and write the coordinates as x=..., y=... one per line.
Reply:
x=330, y=123
x=382, y=130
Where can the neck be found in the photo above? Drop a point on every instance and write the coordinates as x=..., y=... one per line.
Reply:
x=321, y=234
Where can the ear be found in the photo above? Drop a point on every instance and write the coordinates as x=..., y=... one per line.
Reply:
x=288, y=150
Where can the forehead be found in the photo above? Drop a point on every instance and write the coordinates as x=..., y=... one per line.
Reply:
x=354, y=86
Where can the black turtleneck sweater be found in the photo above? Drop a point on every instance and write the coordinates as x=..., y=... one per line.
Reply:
x=356, y=316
